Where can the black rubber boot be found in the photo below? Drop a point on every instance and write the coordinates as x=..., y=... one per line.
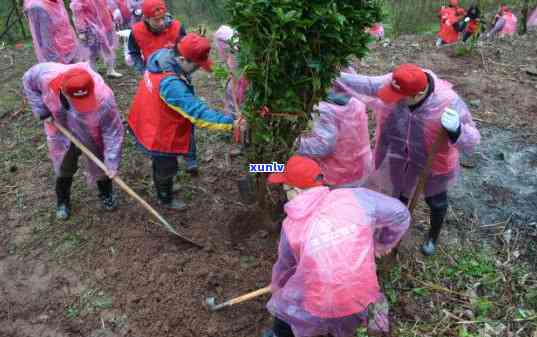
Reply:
x=165, y=197
x=437, y=220
x=106, y=194
x=63, y=195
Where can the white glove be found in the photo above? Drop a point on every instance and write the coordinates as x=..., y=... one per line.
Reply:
x=450, y=120
x=467, y=19
x=138, y=12
x=117, y=16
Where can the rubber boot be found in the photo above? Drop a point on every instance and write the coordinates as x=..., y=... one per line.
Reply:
x=111, y=71
x=63, y=195
x=106, y=194
x=431, y=240
x=165, y=195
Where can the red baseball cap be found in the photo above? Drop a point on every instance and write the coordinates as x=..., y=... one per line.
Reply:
x=408, y=80
x=196, y=49
x=301, y=172
x=79, y=87
x=151, y=8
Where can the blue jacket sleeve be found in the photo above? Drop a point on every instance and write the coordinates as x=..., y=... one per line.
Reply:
x=175, y=93
x=136, y=55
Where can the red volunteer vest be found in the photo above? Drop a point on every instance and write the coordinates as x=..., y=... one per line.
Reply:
x=448, y=16
x=149, y=42
x=156, y=126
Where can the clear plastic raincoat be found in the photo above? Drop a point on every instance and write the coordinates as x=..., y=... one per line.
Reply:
x=53, y=36
x=404, y=138
x=325, y=277
x=100, y=131
x=339, y=142
x=92, y=18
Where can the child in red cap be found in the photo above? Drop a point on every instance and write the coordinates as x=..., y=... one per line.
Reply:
x=324, y=281
x=412, y=106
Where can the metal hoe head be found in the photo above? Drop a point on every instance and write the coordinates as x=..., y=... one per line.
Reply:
x=211, y=304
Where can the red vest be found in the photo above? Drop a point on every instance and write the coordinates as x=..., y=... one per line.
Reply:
x=149, y=42
x=448, y=16
x=156, y=126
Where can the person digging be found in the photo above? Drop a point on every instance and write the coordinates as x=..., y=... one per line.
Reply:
x=165, y=108
x=78, y=99
x=412, y=108
x=325, y=281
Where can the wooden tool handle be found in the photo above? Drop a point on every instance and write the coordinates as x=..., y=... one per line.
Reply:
x=248, y=296
x=424, y=175
x=120, y=182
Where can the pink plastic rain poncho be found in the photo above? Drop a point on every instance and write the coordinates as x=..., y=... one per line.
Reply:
x=92, y=18
x=339, y=142
x=325, y=277
x=532, y=19
x=101, y=131
x=135, y=6
x=510, y=26
x=377, y=31
x=115, y=11
x=235, y=88
x=404, y=138
x=54, y=38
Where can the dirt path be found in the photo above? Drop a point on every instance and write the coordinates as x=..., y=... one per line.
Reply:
x=120, y=274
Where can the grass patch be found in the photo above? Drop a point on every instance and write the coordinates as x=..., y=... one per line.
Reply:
x=90, y=301
x=468, y=291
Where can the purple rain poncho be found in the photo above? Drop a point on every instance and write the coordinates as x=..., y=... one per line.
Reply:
x=53, y=36
x=100, y=131
x=325, y=281
x=92, y=18
x=404, y=138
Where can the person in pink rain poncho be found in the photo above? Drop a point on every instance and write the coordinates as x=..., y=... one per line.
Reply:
x=53, y=37
x=119, y=12
x=505, y=23
x=412, y=107
x=532, y=19
x=135, y=8
x=78, y=99
x=339, y=142
x=237, y=84
x=324, y=281
x=95, y=28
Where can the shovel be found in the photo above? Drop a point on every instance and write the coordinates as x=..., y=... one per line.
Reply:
x=122, y=184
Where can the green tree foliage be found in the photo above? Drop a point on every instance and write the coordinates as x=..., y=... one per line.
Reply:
x=291, y=50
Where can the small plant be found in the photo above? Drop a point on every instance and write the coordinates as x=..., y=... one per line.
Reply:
x=361, y=332
x=72, y=312
x=463, y=332
x=188, y=195
x=483, y=307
